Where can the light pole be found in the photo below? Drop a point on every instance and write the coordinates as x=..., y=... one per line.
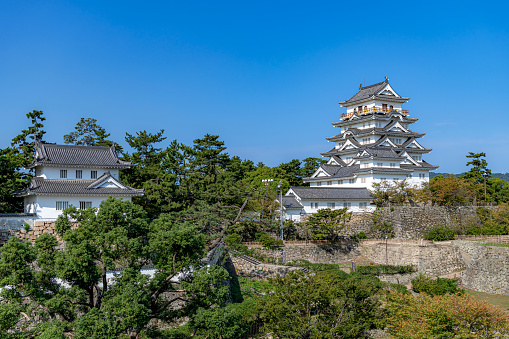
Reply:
x=267, y=183
x=280, y=186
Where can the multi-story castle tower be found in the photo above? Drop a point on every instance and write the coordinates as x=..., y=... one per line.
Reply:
x=375, y=143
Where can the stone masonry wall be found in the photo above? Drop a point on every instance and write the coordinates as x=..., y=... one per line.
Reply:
x=262, y=271
x=488, y=270
x=318, y=253
x=430, y=259
x=410, y=222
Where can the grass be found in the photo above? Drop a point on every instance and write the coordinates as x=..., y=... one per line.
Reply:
x=496, y=244
x=251, y=288
x=499, y=300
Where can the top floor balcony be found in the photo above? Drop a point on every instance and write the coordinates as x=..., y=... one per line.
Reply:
x=372, y=110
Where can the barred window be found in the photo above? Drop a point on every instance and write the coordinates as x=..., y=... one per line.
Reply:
x=93, y=174
x=85, y=204
x=79, y=174
x=62, y=205
x=63, y=174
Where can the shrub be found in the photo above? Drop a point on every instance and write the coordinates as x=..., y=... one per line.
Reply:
x=439, y=233
x=269, y=242
x=360, y=235
x=233, y=241
x=433, y=287
x=385, y=269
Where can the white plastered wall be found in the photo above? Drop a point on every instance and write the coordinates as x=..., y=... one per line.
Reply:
x=48, y=172
x=45, y=205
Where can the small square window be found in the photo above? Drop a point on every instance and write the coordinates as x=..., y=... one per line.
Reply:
x=63, y=174
x=79, y=174
x=93, y=174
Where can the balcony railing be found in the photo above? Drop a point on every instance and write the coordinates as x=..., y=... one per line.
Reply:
x=374, y=109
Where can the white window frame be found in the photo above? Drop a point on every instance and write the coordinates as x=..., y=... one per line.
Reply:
x=61, y=205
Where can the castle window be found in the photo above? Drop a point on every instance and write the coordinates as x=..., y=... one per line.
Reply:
x=391, y=107
x=318, y=184
x=359, y=108
x=347, y=204
x=314, y=205
x=365, y=165
x=63, y=174
x=393, y=164
x=395, y=179
x=329, y=182
x=363, y=180
x=62, y=205
x=85, y=204
x=379, y=164
x=383, y=179
x=331, y=205
x=384, y=107
x=93, y=174
x=363, y=204
x=351, y=181
x=409, y=175
x=340, y=182
x=79, y=174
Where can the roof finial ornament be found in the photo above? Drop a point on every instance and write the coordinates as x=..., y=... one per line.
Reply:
x=386, y=79
x=360, y=86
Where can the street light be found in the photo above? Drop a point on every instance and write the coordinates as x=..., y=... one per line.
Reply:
x=280, y=186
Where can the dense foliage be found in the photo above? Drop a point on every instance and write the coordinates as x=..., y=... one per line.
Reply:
x=439, y=233
x=438, y=286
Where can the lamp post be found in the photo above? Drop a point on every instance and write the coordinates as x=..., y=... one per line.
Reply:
x=280, y=186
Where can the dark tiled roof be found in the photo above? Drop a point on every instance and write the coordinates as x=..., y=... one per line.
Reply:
x=289, y=202
x=336, y=193
x=382, y=153
x=78, y=156
x=366, y=92
x=67, y=186
x=424, y=165
x=370, y=91
x=384, y=170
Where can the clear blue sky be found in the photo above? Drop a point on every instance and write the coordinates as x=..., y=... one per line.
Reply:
x=266, y=76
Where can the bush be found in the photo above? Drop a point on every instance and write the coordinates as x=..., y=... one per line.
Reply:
x=439, y=233
x=233, y=241
x=269, y=242
x=433, y=287
x=385, y=269
x=360, y=235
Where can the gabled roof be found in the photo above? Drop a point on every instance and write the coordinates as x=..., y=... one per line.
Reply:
x=424, y=165
x=332, y=193
x=289, y=202
x=373, y=91
x=335, y=172
x=72, y=155
x=379, y=153
x=39, y=185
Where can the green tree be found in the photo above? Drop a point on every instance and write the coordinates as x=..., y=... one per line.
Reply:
x=321, y=305
x=311, y=164
x=13, y=178
x=452, y=191
x=26, y=140
x=327, y=223
x=89, y=133
x=118, y=234
x=293, y=172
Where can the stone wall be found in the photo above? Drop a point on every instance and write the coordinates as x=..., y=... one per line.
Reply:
x=410, y=222
x=261, y=271
x=403, y=279
x=12, y=223
x=430, y=259
x=488, y=270
x=326, y=253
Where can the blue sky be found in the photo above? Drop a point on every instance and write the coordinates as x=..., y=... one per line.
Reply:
x=265, y=76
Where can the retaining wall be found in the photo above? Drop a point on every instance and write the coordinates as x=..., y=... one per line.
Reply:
x=488, y=270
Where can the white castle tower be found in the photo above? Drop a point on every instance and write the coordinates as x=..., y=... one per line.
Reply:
x=375, y=143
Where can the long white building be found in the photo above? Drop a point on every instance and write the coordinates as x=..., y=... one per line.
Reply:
x=66, y=175
x=374, y=144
